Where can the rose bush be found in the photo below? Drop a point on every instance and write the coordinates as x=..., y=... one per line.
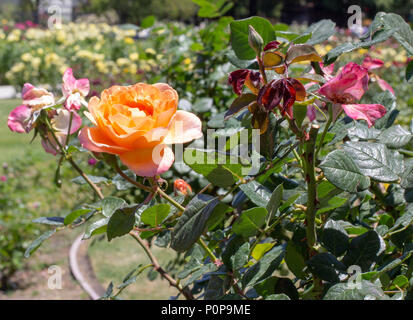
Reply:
x=321, y=188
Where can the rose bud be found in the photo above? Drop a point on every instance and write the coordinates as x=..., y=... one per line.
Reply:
x=182, y=186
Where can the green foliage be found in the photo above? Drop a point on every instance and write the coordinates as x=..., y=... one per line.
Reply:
x=331, y=195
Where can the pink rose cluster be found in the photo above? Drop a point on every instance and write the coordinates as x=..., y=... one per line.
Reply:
x=23, y=118
x=346, y=88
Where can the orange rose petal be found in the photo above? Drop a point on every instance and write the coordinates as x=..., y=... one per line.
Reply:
x=184, y=127
x=149, y=162
x=95, y=140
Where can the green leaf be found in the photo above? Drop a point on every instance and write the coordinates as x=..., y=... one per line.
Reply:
x=241, y=102
x=80, y=180
x=221, y=169
x=111, y=204
x=378, y=37
x=257, y=193
x=192, y=222
x=326, y=267
x=300, y=112
x=260, y=249
x=97, y=227
x=38, y=242
x=289, y=202
x=335, y=238
x=375, y=160
x=274, y=202
x=363, y=250
x=330, y=204
x=240, y=258
x=230, y=249
x=320, y=31
x=409, y=71
x=404, y=220
x=295, y=260
x=239, y=35
x=340, y=169
x=388, y=100
x=53, y=221
x=400, y=282
x=121, y=222
x=365, y=289
x=148, y=22
x=203, y=105
x=74, y=215
x=242, y=64
x=395, y=137
x=402, y=31
x=250, y=222
x=264, y=267
x=155, y=215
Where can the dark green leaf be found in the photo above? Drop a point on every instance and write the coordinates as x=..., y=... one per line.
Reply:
x=343, y=172
x=264, y=267
x=53, y=221
x=375, y=160
x=326, y=267
x=239, y=35
x=363, y=250
x=192, y=222
x=257, y=193
x=335, y=238
x=121, y=222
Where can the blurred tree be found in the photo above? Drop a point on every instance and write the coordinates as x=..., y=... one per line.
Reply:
x=133, y=11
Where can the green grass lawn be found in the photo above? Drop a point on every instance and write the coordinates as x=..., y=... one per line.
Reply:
x=112, y=261
x=14, y=145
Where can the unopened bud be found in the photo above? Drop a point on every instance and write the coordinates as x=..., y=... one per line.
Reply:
x=255, y=40
x=182, y=186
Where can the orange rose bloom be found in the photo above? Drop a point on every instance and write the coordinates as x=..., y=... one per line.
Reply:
x=138, y=123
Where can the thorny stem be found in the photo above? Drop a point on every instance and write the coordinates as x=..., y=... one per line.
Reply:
x=72, y=162
x=309, y=171
x=328, y=123
x=84, y=176
x=262, y=70
x=188, y=295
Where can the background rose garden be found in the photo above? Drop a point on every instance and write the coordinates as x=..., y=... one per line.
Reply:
x=192, y=60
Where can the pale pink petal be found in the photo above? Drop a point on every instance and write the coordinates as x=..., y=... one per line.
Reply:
x=149, y=162
x=69, y=82
x=83, y=86
x=36, y=97
x=49, y=144
x=76, y=123
x=384, y=85
x=184, y=127
x=62, y=120
x=18, y=118
x=73, y=102
x=368, y=112
x=369, y=63
x=27, y=87
x=311, y=112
